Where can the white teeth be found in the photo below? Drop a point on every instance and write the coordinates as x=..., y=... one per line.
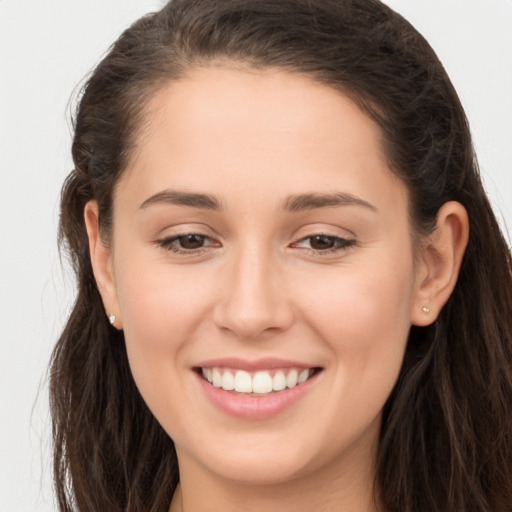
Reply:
x=291, y=378
x=261, y=382
x=279, y=381
x=216, y=378
x=243, y=382
x=228, y=381
x=303, y=376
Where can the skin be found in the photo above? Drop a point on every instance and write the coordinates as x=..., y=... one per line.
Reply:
x=258, y=288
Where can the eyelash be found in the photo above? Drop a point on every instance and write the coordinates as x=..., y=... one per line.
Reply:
x=172, y=244
x=340, y=244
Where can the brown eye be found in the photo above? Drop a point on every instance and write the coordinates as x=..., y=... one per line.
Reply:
x=187, y=244
x=323, y=242
x=191, y=242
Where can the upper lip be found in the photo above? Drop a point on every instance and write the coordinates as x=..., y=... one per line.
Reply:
x=266, y=363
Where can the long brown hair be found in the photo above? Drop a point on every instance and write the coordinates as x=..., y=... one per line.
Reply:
x=446, y=438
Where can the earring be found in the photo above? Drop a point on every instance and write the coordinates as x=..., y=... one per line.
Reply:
x=112, y=319
x=426, y=310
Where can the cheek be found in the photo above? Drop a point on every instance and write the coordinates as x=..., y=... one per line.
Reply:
x=363, y=315
x=161, y=308
x=360, y=300
x=158, y=298
x=161, y=311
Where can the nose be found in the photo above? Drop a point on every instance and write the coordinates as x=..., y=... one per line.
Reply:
x=254, y=301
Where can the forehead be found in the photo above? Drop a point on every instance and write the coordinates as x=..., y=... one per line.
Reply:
x=272, y=97
x=223, y=128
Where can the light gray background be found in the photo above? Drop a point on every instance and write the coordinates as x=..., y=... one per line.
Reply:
x=46, y=48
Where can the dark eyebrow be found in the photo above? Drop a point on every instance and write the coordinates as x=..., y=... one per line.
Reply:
x=311, y=201
x=176, y=197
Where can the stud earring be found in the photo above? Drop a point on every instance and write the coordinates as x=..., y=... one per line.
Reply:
x=112, y=319
x=426, y=310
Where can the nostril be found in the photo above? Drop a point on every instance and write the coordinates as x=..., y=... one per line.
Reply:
x=253, y=323
x=253, y=304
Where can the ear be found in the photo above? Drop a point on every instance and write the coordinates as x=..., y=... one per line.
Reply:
x=101, y=262
x=439, y=263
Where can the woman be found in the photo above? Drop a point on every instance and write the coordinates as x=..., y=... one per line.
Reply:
x=293, y=293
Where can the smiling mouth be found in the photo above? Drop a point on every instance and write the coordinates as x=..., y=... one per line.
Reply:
x=259, y=383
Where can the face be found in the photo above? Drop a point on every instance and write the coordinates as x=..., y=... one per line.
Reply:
x=262, y=269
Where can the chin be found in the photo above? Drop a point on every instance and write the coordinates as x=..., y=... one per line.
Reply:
x=266, y=468
x=259, y=458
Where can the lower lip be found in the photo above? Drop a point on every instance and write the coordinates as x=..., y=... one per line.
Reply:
x=255, y=407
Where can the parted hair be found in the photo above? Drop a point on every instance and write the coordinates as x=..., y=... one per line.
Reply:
x=446, y=437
